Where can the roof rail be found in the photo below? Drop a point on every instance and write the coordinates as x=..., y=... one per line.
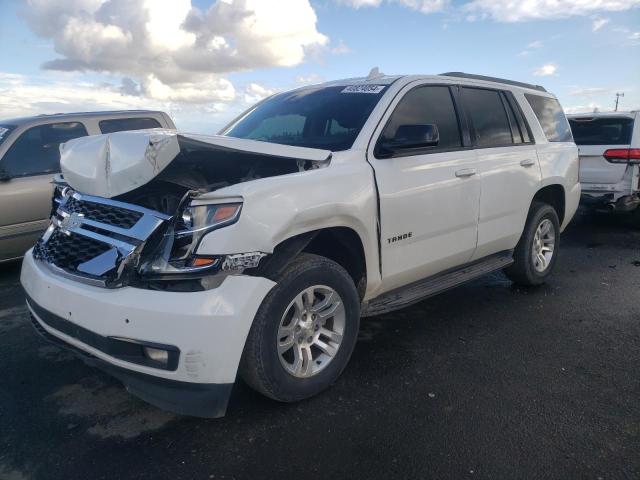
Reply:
x=493, y=79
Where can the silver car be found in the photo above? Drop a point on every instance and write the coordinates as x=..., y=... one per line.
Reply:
x=29, y=157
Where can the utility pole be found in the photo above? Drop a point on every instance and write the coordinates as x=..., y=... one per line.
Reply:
x=618, y=95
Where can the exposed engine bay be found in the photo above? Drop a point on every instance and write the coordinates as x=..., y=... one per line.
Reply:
x=156, y=168
x=202, y=167
x=123, y=211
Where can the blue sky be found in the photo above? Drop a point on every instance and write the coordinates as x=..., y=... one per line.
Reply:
x=584, y=51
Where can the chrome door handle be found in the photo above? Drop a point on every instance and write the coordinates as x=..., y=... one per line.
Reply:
x=529, y=162
x=465, y=172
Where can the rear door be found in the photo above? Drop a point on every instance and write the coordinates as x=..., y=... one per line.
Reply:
x=595, y=135
x=508, y=167
x=429, y=196
x=29, y=165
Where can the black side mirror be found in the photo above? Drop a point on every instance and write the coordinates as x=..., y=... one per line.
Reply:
x=411, y=136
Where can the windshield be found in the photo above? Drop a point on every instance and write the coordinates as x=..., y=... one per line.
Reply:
x=5, y=130
x=329, y=118
x=602, y=131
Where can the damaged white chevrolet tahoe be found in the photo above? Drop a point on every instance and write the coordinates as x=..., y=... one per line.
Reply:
x=177, y=261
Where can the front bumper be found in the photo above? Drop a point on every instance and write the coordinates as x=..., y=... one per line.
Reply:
x=207, y=328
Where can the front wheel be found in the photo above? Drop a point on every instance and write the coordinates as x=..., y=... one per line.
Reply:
x=536, y=253
x=304, y=332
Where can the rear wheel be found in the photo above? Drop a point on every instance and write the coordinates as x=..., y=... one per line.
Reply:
x=536, y=253
x=304, y=332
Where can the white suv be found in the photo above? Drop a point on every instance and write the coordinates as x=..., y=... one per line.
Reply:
x=177, y=261
x=609, y=146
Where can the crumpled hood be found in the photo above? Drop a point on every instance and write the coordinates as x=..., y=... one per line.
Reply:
x=112, y=164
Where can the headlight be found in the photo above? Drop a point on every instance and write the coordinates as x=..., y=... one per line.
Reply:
x=175, y=252
x=204, y=218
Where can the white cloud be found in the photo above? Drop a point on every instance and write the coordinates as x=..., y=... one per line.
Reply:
x=588, y=91
x=360, y=3
x=598, y=23
x=172, y=50
x=308, y=79
x=254, y=92
x=515, y=11
x=341, y=49
x=510, y=10
x=634, y=36
x=423, y=6
x=546, y=70
x=211, y=89
x=532, y=46
x=22, y=95
x=589, y=108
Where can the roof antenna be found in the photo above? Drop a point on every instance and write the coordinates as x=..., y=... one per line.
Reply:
x=374, y=73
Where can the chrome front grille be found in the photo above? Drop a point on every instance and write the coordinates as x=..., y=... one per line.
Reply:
x=93, y=239
x=69, y=251
x=100, y=212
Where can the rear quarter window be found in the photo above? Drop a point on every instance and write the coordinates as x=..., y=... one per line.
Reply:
x=551, y=117
x=122, y=124
x=602, y=131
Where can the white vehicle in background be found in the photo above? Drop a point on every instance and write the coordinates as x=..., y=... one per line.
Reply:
x=177, y=261
x=609, y=146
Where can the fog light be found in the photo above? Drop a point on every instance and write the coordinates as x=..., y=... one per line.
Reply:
x=157, y=355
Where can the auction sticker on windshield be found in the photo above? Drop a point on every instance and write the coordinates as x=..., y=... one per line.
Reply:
x=363, y=89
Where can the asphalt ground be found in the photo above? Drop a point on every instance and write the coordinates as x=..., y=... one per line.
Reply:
x=485, y=381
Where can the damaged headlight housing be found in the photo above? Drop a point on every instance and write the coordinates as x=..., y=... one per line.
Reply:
x=175, y=254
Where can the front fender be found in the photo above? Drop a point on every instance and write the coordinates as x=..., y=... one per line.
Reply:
x=277, y=208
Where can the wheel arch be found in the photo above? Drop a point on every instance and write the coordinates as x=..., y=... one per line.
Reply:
x=555, y=196
x=341, y=244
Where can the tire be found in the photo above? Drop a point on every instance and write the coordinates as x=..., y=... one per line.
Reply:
x=528, y=269
x=277, y=373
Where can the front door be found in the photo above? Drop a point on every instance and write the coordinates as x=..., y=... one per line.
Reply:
x=429, y=196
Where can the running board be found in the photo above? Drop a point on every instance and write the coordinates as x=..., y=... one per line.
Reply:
x=417, y=291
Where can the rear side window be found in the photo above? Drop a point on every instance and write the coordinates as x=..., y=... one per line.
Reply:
x=424, y=106
x=602, y=131
x=488, y=117
x=551, y=117
x=122, y=124
x=37, y=150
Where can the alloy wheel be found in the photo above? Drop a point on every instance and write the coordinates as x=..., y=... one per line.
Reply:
x=543, y=246
x=311, y=331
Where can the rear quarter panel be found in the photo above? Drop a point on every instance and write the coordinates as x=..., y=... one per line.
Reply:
x=559, y=162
